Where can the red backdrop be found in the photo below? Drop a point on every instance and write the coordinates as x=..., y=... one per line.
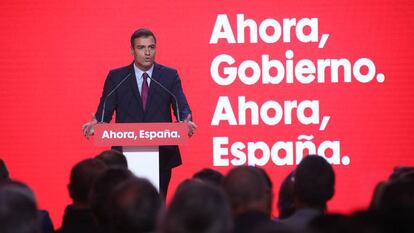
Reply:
x=55, y=56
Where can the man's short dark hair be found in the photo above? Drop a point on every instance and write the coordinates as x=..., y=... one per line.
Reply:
x=209, y=175
x=314, y=181
x=142, y=32
x=286, y=202
x=248, y=189
x=102, y=189
x=398, y=194
x=400, y=171
x=4, y=173
x=198, y=207
x=18, y=212
x=135, y=205
x=113, y=158
x=82, y=177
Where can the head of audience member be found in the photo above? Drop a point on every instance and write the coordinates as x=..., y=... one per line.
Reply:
x=286, y=202
x=401, y=171
x=135, y=205
x=377, y=195
x=82, y=177
x=393, y=195
x=197, y=207
x=4, y=172
x=398, y=195
x=18, y=209
x=249, y=190
x=113, y=158
x=209, y=175
x=101, y=190
x=268, y=188
x=314, y=181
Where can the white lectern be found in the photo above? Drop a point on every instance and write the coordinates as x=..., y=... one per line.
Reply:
x=140, y=142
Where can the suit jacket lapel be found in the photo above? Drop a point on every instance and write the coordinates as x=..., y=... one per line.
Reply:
x=153, y=86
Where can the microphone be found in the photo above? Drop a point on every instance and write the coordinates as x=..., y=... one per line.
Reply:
x=109, y=94
x=169, y=92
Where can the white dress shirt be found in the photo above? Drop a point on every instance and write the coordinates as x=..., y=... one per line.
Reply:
x=140, y=79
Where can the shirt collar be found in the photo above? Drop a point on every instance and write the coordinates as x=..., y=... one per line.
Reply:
x=139, y=72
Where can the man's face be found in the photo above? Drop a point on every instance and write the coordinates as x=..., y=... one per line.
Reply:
x=144, y=52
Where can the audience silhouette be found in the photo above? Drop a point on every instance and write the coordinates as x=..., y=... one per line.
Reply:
x=286, y=202
x=18, y=209
x=78, y=217
x=101, y=193
x=209, y=175
x=113, y=158
x=108, y=198
x=314, y=181
x=134, y=206
x=197, y=207
x=250, y=195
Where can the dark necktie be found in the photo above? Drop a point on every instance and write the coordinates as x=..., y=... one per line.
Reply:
x=144, y=90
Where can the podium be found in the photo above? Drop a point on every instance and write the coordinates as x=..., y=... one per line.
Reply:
x=140, y=143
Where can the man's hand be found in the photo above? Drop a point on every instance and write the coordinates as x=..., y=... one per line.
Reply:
x=87, y=128
x=191, y=125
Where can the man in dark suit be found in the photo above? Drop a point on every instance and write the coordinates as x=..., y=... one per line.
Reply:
x=135, y=92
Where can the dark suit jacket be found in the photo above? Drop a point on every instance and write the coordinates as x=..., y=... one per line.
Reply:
x=126, y=102
x=78, y=221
